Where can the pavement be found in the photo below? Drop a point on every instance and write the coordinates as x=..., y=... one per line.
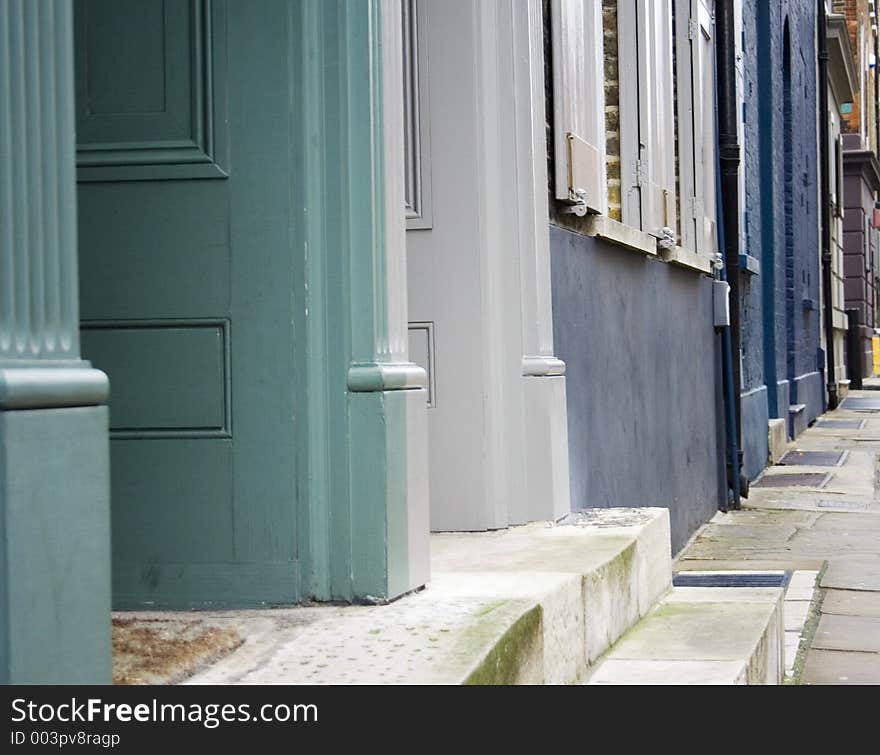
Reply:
x=826, y=522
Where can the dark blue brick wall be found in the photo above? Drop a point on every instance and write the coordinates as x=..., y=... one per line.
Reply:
x=779, y=333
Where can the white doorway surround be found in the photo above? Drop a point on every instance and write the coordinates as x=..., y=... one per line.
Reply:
x=478, y=262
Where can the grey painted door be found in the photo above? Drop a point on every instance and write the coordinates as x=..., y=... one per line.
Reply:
x=187, y=284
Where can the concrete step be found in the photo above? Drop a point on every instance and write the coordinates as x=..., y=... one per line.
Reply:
x=531, y=604
x=798, y=419
x=777, y=439
x=702, y=635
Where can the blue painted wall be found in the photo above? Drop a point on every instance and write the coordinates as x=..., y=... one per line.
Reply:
x=780, y=334
x=643, y=378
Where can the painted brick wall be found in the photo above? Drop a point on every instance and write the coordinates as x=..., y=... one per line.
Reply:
x=769, y=341
x=643, y=375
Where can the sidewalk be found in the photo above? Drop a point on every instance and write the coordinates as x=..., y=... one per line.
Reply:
x=816, y=511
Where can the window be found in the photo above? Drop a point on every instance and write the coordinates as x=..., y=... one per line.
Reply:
x=634, y=119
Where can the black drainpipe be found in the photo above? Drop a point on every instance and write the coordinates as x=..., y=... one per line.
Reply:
x=825, y=205
x=729, y=157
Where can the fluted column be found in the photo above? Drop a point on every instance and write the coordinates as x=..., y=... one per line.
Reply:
x=54, y=461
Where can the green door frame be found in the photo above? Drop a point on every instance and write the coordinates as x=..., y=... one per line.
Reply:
x=364, y=437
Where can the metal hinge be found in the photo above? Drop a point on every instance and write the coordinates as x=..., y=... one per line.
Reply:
x=578, y=206
x=693, y=29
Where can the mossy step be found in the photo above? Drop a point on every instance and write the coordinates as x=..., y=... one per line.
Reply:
x=702, y=635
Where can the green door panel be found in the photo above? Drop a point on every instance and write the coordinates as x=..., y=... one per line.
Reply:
x=176, y=232
x=187, y=292
x=166, y=377
x=172, y=500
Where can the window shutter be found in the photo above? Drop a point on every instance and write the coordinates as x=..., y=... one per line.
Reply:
x=579, y=103
x=656, y=115
x=647, y=118
x=696, y=124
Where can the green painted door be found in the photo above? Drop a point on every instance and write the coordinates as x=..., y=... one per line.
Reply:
x=187, y=276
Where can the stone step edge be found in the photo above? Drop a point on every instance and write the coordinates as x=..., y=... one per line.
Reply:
x=537, y=646
x=764, y=663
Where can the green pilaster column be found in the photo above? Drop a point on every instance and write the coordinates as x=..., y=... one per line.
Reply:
x=54, y=467
x=365, y=437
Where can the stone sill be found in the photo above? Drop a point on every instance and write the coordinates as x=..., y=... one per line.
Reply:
x=682, y=257
x=749, y=264
x=603, y=227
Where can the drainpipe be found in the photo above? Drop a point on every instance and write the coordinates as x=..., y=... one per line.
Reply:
x=825, y=205
x=729, y=158
x=733, y=457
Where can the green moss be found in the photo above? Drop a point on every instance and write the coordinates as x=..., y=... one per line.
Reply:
x=504, y=662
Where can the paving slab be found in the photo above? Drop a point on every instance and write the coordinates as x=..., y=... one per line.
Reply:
x=834, y=521
x=836, y=542
x=766, y=516
x=815, y=501
x=757, y=533
x=744, y=550
x=836, y=667
x=852, y=633
x=851, y=603
x=853, y=573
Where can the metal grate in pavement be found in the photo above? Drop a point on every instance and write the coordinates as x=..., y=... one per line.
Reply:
x=814, y=458
x=794, y=479
x=731, y=579
x=865, y=404
x=842, y=424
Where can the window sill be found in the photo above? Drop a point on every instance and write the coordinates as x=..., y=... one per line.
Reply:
x=682, y=257
x=603, y=227
x=749, y=264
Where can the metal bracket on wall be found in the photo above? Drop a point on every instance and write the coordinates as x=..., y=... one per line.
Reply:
x=579, y=206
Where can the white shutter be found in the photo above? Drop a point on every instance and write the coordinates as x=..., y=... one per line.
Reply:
x=579, y=102
x=696, y=124
x=656, y=115
x=647, y=117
